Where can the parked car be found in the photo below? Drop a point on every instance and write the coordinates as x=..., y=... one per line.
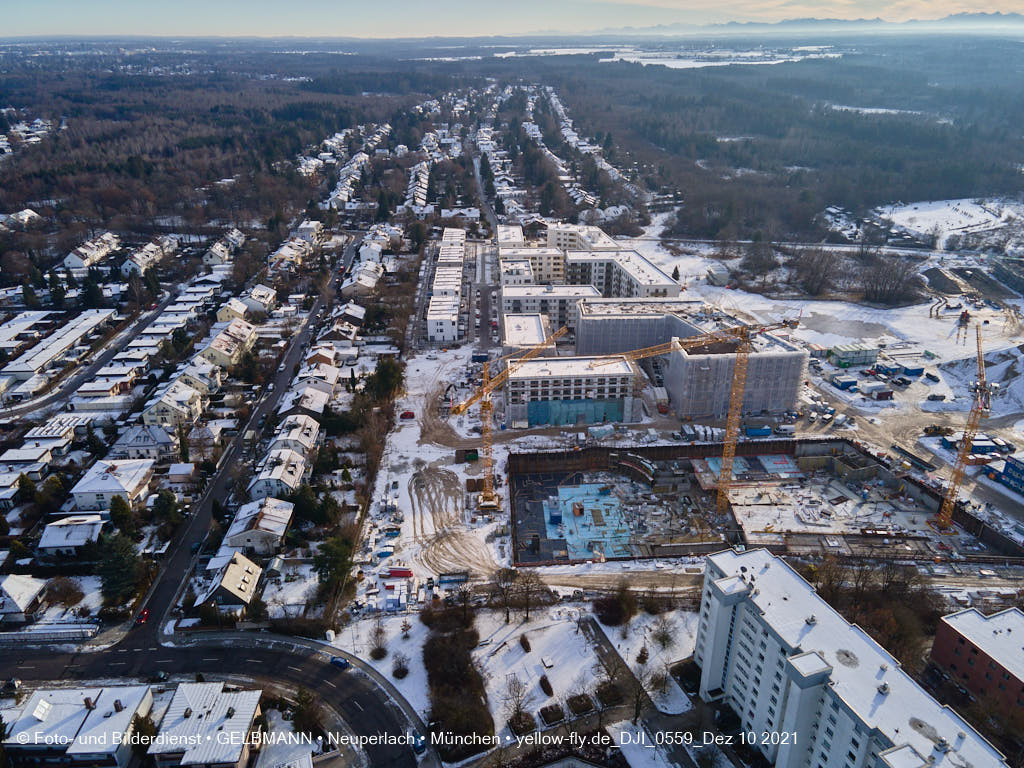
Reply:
x=340, y=663
x=931, y=376
x=407, y=415
x=142, y=617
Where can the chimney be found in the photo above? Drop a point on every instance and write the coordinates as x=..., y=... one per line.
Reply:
x=89, y=703
x=231, y=712
x=118, y=706
x=188, y=712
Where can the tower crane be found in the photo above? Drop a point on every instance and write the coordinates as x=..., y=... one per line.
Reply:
x=742, y=334
x=488, y=499
x=982, y=402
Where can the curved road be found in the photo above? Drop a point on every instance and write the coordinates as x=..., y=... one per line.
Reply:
x=362, y=702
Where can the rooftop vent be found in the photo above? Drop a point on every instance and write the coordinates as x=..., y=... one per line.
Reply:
x=811, y=620
x=942, y=745
x=884, y=689
x=188, y=712
x=89, y=703
x=231, y=711
x=118, y=706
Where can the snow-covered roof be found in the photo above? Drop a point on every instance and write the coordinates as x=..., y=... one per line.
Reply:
x=74, y=531
x=860, y=668
x=115, y=477
x=87, y=720
x=1000, y=636
x=208, y=724
x=17, y=591
x=269, y=514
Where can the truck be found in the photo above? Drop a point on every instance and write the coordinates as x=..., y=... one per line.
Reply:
x=479, y=357
x=762, y=431
x=785, y=429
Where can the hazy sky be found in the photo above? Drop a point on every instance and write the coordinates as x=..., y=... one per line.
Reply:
x=420, y=18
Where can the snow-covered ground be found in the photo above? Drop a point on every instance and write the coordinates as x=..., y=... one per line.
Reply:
x=83, y=611
x=950, y=217
x=638, y=634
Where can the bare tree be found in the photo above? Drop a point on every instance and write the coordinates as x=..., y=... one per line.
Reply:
x=378, y=640
x=816, y=270
x=664, y=631
x=504, y=589
x=889, y=281
x=516, y=697
x=529, y=589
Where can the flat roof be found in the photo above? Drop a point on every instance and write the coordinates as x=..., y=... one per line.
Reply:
x=904, y=712
x=1000, y=636
x=631, y=262
x=525, y=330
x=62, y=340
x=551, y=291
x=600, y=307
x=539, y=367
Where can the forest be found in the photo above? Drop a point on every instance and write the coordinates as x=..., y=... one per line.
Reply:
x=762, y=150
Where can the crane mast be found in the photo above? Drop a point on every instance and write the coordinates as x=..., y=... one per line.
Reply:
x=979, y=409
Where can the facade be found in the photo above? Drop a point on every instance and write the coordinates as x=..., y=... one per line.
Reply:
x=65, y=537
x=614, y=326
x=178, y=405
x=580, y=237
x=983, y=654
x=785, y=662
x=80, y=727
x=227, y=347
x=558, y=302
x=516, y=272
x=846, y=355
x=206, y=726
x=260, y=526
x=279, y=475
x=699, y=381
x=619, y=274
x=443, y=319
x=128, y=479
x=232, y=309
x=568, y=390
x=298, y=433
x=22, y=598
x=146, y=442
x=546, y=264
x=1010, y=474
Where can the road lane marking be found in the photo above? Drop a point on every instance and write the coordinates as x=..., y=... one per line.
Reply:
x=211, y=658
x=295, y=668
x=118, y=663
x=357, y=705
x=254, y=661
x=330, y=684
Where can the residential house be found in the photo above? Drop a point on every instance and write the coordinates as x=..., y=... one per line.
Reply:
x=202, y=375
x=146, y=441
x=178, y=405
x=261, y=299
x=78, y=727
x=260, y=526
x=280, y=474
x=207, y=727
x=65, y=537
x=298, y=433
x=233, y=309
x=235, y=584
x=22, y=598
x=128, y=479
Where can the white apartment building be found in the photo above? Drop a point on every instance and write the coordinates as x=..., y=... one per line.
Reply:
x=443, y=319
x=580, y=237
x=548, y=264
x=516, y=272
x=619, y=274
x=509, y=236
x=788, y=664
x=574, y=388
x=558, y=302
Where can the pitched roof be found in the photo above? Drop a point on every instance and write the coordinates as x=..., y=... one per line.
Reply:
x=211, y=724
x=17, y=591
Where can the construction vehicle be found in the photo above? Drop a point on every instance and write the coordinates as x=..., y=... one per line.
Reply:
x=982, y=403
x=488, y=500
x=742, y=334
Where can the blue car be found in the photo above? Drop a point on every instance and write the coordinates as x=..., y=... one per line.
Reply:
x=419, y=744
x=340, y=663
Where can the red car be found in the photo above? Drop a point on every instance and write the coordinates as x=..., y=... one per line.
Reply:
x=143, y=617
x=407, y=415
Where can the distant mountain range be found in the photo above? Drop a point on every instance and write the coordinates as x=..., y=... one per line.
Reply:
x=955, y=22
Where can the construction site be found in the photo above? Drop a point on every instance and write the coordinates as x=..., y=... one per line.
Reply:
x=807, y=497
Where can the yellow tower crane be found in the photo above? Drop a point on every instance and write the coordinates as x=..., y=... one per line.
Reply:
x=742, y=334
x=982, y=402
x=488, y=499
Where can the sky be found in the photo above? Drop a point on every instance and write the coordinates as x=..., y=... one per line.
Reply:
x=426, y=18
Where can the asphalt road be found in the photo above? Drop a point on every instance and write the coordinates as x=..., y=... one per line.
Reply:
x=68, y=388
x=363, y=705
x=353, y=696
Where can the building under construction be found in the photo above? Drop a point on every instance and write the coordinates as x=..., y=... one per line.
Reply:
x=806, y=497
x=698, y=381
